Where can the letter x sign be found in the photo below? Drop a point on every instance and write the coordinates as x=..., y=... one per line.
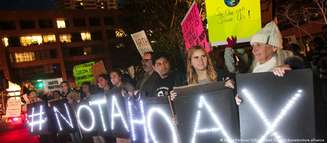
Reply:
x=271, y=126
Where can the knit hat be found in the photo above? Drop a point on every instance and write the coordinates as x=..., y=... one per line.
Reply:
x=269, y=34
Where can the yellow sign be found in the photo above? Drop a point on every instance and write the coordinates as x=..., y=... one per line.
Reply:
x=241, y=18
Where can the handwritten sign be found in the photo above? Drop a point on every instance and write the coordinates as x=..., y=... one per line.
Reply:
x=192, y=29
x=141, y=41
x=240, y=18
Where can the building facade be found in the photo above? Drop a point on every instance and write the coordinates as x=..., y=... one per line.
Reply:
x=47, y=44
x=87, y=4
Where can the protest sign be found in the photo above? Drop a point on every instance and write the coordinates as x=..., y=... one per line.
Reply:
x=98, y=69
x=239, y=18
x=160, y=120
x=39, y=118
x=14, y=107
x=206, y=113
x=192, y=29
x=64, y=117
x=276, y=108
x=52, y=84
x=141, y=41
x=83, y=72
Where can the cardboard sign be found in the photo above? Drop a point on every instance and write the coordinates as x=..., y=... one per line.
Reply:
x=98, y=69
x=206, y=113
x=83, y=72
x=52, y=84
x=14, y=107
x=241, y=18
x=276, y=108
x=141, y=41
x=192, y=29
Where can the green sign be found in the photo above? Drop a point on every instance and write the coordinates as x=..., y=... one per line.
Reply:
x=83, y=73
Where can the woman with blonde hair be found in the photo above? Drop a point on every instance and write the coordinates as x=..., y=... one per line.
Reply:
x=200, y=68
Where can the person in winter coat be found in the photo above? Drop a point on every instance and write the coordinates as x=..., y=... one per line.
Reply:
x=269, y=55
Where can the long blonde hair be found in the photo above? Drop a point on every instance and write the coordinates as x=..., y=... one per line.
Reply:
x=192, y=77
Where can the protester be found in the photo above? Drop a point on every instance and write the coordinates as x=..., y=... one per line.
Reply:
x=268, y=53
x=103, y=84
x=200, y=69
x=164, y=79
x=86, y=90
x=69, y=93
x=147, y=65
x=25, y=91
x=117, y=82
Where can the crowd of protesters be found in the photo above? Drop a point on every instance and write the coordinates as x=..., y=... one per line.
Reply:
x=159, y=77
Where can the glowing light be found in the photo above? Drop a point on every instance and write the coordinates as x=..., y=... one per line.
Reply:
x=38, y=122
x=159, y=111
x=117, y=114
x=140, y=122
x=91, y=127
x=99, y=103
x=202, y=103
x=272, y=126
x=69, y=121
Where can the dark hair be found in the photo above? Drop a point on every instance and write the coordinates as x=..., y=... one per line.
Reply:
x=104, y=76
x=91, y=89
x=64, y=82
x=159, y=55
x=149, y=52
x=117, y=71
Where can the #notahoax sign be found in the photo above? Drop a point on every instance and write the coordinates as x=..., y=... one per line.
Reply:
x=274, y=109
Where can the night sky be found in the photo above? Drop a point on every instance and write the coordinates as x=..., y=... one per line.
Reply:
x=26, y=4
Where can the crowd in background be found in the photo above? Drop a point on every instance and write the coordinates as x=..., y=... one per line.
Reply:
x=158, y=76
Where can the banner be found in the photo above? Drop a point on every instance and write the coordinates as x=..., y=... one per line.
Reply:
x=192, y=29
x=207, y=114
x=241, y=18
x=141, y=41
x=276, y=108
x=273, y=108
x=83, y=72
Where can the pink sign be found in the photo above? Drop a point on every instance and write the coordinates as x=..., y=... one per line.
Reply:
x=192, y=29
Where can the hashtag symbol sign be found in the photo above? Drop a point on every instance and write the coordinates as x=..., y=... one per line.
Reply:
x=37, y=119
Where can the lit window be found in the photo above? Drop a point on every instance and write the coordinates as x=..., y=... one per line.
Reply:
x=61, y=23
x=85, y=36
x=31, y=40
x=24, y=57
x=65, y=38
x=5, y=41
x=119, y=33
x=49, y=38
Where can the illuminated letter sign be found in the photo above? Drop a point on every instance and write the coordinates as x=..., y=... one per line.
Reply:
x=67, y=119
x=276, y=109
x=216, y=128
x=271, y=126
x=140, y=122
x=151, y=112
x=80, y=122
x=100, y=102
x=117, y=114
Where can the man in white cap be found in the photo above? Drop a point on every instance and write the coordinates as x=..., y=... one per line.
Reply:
x=267, y=51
